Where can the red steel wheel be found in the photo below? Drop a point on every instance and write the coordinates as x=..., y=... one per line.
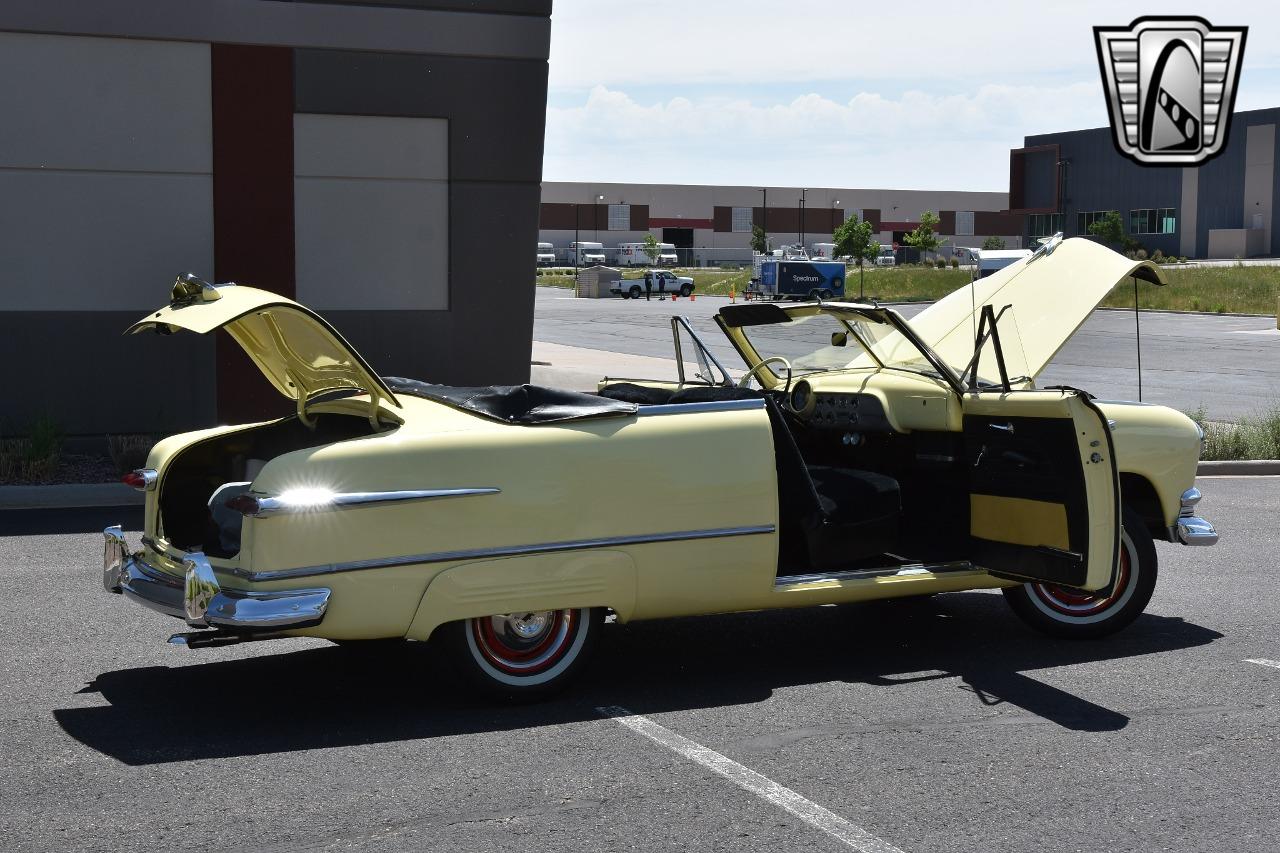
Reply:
x=529, y=653
x=1077, y=613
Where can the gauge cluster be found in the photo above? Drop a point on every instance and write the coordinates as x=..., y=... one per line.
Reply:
x=862, y=412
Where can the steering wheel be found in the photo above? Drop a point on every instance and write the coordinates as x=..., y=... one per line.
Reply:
x=746, y=377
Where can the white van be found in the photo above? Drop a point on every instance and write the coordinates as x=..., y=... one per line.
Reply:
x=634, y=255
x=991, y=260
x=886, y=258
x=823, y=252
x=667, y=256
x=586, y=254
x=546, y=255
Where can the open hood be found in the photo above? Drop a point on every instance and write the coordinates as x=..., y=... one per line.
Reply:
x=299, y=353
x=1051, y=293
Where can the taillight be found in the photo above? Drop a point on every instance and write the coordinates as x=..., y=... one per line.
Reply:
x=244, y=504
x=142, y=479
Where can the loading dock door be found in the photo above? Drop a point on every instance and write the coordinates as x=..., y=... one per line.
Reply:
x=682, y=239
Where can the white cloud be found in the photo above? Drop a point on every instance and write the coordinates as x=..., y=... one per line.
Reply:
x=914, y=141
x=808, y=92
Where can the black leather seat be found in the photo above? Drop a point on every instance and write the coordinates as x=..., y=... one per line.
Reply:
x=829, y=517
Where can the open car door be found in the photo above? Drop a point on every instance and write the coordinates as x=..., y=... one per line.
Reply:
x=1043, y=487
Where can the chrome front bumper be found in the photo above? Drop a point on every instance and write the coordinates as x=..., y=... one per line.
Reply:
x=1190, y=528
x=199, y=599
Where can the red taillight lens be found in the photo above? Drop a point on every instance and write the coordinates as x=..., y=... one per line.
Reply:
x=244, y=504
x=142, y=479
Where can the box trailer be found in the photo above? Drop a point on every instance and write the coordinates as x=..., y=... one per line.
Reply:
x=634, y=255
x=796, y=280
x=585, y=254
x=546, y=255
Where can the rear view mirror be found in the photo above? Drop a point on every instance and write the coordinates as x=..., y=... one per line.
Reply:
x=839, y=339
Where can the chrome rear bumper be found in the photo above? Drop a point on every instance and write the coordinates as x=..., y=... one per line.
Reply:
x=1190, y=528
x=199, y=599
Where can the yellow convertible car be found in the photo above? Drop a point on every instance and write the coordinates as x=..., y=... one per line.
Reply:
x=858, y=457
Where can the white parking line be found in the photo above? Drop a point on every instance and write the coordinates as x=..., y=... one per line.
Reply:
x=762, y=786
x=1263, y=662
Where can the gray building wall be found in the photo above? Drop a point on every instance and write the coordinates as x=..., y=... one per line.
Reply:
x=1225, y=193
x=416, y=146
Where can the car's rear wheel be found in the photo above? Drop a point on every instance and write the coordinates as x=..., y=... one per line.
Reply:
x=686, y=290
x=635, y=291
x=1078, y=614
x=523, y=655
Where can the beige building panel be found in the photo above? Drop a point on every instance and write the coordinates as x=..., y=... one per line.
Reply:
x=370, y=147
x=1259, y=170
x=365, y=243
x=88, y=241
x=70, y=102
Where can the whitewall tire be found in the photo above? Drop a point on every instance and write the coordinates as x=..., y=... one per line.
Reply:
x=1073, y=613
x=528, y=654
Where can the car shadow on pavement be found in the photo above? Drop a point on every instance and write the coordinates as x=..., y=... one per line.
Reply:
x=62, y=520
x=286, y=701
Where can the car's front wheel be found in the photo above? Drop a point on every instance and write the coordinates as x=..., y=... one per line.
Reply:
x=523, y=655
x=1078, y=614
x=686, y=290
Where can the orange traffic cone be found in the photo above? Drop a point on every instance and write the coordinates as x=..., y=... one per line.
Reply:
x=732, y=295
x=693, y=297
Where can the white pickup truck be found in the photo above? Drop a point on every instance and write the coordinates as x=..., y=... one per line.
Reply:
x=662, y=281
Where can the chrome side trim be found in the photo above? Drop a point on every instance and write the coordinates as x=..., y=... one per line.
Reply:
x=866, y=574
x=277, y=505
x=695, y=408
x=505, y=551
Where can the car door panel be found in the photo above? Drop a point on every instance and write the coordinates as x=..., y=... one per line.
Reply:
x=1043, y=487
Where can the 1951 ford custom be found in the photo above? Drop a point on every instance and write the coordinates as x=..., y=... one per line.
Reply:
x=858, y=457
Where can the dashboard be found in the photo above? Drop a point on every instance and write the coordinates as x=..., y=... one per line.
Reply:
x=875, y=402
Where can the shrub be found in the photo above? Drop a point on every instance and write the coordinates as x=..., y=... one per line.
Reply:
x=1141, y=254
x=129, y=452
x=955, y=263
x=1157, y=256
x=33, y=457
x=940, y=263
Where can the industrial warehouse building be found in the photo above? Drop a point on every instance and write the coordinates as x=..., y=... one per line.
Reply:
x=711, y=224
x=361, y=157
x=1220, y=209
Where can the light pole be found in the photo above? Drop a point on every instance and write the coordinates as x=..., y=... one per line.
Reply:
x=764, y=217
x=595, y=216
x=801, y=234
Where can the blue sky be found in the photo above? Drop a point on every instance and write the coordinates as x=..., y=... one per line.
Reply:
x=815, y=93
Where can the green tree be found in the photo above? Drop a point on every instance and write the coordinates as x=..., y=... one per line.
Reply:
x=759, y=240
x=853, y=239
x=924, y=237
x=651, y=248
x=993, y=243
x=1110, y=229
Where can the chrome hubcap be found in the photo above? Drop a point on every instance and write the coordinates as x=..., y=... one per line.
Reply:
x=526, y=626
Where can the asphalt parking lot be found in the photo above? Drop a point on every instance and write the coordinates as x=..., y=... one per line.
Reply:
x=934, y=725
x=1230, y=365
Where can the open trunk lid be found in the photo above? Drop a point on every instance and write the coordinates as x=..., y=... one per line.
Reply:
x=301, y=355
x=1051, y=293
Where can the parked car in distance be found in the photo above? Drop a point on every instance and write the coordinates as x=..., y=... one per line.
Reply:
x=661, y=282
x=886, y=258
x=858, y=456
x=546, y=255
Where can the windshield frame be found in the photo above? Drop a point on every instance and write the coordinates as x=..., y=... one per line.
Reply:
x=840, y=311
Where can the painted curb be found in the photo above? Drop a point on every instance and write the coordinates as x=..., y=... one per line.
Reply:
x=1240, y=468
x=70, y=496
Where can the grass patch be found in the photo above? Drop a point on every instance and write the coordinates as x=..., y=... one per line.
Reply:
x=1236, y=290
x=1254, y=437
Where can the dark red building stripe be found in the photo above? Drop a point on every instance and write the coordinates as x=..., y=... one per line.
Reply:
x=252, y=202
